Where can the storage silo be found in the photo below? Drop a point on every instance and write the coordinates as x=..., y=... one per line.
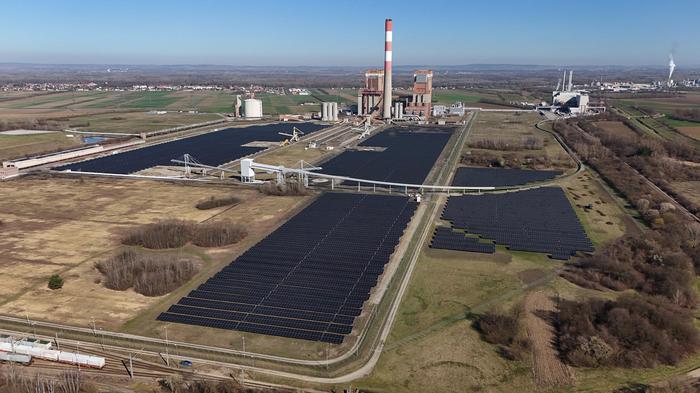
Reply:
x=253, y=108
x=325, y=110
x=334, y=111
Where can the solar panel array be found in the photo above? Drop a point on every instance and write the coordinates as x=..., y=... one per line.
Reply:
x=538, y=220
x=213, y=148
x=448, y=239
x=499, y=177
x=408, y=157
x=309, y=278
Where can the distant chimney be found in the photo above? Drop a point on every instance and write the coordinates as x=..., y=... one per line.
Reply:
x=571, y=80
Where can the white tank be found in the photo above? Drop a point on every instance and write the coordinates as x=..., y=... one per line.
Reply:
x=325, y=110
x=253, y=108
x=334, y=111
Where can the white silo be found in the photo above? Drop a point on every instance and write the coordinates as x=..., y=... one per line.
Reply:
x=253, y=108
x=325, y=110
x=334, y=111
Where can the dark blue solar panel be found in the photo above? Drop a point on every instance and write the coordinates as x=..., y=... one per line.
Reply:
x=309, y=278
x=408, y=158
x=213, y=148
x=538, y=220
x=446, y=238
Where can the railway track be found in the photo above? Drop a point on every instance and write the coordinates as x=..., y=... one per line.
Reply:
x=653, y=185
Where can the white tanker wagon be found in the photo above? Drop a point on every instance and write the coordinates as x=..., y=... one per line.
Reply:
x=46, y=353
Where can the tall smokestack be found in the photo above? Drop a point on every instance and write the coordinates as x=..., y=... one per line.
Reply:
x=386, y=113
x=571, y=80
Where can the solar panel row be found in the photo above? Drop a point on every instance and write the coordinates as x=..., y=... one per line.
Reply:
x=408, y=157
x=309, y=278
x=538, y=220
x=499, y=177
x=213, y=148
x=447, y=239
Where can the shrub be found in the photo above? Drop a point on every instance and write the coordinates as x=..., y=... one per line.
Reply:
x=497, y=328
x=503, y=330
x=213, y=202
x=148, y=274
x=217, y=234
x=164, y=234
x=633, y=331
x=55, y=282
x=288, y=189
x=175, y=234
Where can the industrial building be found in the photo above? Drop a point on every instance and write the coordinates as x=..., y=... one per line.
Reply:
x=568, y=100
x=456, y=109
x=421, y=101
x=370, y=96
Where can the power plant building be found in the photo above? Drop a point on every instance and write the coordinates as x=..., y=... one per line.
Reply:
x=369, y=98
x=569, y=100
x=422, y=98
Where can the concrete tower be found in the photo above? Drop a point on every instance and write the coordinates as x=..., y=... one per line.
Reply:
x=386, y=113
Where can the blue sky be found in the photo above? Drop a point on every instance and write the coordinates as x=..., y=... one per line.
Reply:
x=350, y=32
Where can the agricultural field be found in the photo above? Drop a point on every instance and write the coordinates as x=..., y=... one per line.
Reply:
x=65, y=225
x=617, y=127
x=639, y=109
x=276, y=104
x=136, y=122
x=474, y=98
x=340, y=95
x=16, y=146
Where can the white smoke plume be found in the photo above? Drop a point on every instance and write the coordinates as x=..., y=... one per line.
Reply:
x=671, y=66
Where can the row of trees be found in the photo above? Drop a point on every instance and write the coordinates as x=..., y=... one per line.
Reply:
x=14, y=380
x=527, y=143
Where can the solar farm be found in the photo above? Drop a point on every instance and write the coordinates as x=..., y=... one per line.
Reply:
x=539, y=220
x=214, y=148
x=308, y=279
x=408, y=156
x=500, y=177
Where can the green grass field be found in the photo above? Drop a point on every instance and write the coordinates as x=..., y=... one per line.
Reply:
x=465, y=96
x=137, y=122
x=276, y=104
x=16, y=146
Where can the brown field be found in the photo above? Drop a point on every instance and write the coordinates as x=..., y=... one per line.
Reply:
x=693, y=132
x=606, y=220
x=510, y=126
x=65, y=225
x=617, y=127
x=690, y=189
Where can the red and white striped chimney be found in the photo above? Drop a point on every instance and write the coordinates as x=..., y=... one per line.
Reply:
x=387, y=69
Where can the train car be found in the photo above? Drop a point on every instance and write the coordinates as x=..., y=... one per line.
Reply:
x=38, y=349
x=15, y=358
